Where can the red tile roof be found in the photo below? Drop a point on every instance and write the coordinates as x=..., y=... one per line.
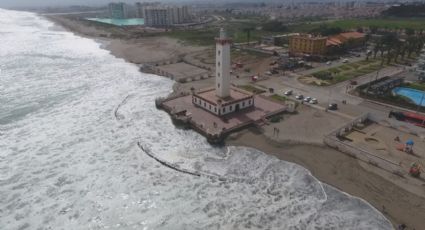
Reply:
x=333, y=41
x=349, y=35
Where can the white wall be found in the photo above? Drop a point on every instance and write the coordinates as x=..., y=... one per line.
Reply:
x=242, y=104
x=227, y=109
x=206, y=105
x=222, y=70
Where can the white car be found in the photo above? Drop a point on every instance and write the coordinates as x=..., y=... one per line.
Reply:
x=328, y=63
x=307, y=99
x=299, y=97
x=313, y=101
x=288, y=93
x=345, y=60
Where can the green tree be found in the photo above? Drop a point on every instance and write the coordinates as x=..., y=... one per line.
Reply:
x=247, y=31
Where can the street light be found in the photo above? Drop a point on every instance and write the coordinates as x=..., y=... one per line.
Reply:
x=420, y=103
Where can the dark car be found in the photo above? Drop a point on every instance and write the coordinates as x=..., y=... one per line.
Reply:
x=333, y=106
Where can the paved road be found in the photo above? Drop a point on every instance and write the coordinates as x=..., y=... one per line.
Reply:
x=333, y=64
x=336, y=93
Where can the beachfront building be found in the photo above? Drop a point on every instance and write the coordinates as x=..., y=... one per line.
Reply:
x=223, y=98
x=117, y=10
x=307, y=44
x=160, y=16
x=140, y=6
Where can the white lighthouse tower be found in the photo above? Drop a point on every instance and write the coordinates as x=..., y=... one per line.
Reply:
x=222, y=99
x=222, y=65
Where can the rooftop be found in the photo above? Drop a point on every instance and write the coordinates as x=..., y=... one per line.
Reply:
x=236, y=94
x=354, y=34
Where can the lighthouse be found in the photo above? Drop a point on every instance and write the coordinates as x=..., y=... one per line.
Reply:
x=222, y=65
x=223, y=98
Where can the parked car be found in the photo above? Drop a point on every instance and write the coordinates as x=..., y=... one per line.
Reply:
x=313, y=101
x=299, y=97
x=307, y=99
x=333, y=106
x=345, y=60
x=328, y=63
x=288, y=93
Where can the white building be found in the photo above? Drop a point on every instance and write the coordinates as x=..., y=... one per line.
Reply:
x=117, y=10
x=165, y=15
x=223, y=99
x=420, y=68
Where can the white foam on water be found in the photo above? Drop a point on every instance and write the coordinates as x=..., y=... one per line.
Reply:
x=68, y=162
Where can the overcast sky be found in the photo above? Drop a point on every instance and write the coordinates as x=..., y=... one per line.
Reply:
x=32, y=3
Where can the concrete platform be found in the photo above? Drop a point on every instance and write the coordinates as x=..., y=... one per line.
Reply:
x=182, y=72
x=215, y=127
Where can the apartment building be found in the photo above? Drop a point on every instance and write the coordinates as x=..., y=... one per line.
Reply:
x=307, y=44
x=160, y=16
x=117, y=10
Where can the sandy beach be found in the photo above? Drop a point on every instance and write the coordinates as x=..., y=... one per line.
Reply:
x=328, y=165
x=344, y=173
x=128, y=44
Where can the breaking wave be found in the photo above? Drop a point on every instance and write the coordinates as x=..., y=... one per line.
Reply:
x=67, y=162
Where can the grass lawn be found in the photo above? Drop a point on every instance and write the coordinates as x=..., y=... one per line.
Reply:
x=252, y=89
x=347, y=71
x=277, y=97
x=390, y=23
x=347, y=24
x=416, y=85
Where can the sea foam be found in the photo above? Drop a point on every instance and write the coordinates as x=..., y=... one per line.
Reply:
x=71, y=119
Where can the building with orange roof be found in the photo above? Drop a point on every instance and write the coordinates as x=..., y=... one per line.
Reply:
x=307, y=44
x=348, y=39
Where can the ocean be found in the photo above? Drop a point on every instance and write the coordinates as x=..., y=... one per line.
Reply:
x=79, y=127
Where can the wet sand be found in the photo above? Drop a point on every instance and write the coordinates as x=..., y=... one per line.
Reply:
x=344, y=173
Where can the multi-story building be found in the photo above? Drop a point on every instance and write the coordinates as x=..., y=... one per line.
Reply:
x=117, y=10
x=140, y=6
x=307, y=44
x=420, y=67
x=165, y=16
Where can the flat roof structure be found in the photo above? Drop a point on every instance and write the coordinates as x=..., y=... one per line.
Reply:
x=181, y=71
x=210, y=125
x=236, y=95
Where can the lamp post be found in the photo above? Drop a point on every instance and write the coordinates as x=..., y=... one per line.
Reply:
x=420, y=103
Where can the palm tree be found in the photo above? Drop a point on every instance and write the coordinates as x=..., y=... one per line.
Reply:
x=411, y=44
x=248, y=30
x=397, y=49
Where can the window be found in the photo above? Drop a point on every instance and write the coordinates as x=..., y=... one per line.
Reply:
x=205, y=104
x=218, y=74
x=209, y=106
x=224, y=109
x=218, y=64
x=243, y=103
x=218, y=85
x=230, y=108
x=215, y=109
x=218, y=52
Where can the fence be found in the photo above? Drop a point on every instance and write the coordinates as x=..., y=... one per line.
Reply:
x=333, y=141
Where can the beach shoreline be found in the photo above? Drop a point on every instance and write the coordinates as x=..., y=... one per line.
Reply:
x=326, y=164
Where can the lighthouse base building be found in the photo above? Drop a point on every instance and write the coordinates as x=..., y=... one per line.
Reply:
x=237, y=100
x=223, y=98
